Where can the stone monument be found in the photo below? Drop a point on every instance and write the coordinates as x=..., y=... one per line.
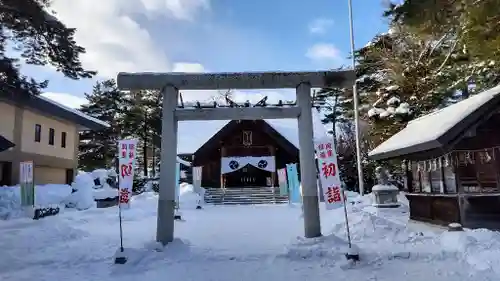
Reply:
x=385, y=194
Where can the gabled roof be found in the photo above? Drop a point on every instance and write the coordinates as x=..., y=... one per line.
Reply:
x=53, y=108
x=193, y=134
x=440, y=128
x=234, y=124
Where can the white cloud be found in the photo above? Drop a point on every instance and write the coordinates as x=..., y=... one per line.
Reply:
x=113, y=40
x=323, y=52
x=180, y=9
x=66, y=99
x=188, y=67
x=320, y=26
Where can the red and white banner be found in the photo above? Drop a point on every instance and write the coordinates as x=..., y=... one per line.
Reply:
x=126, y=161
x=329, y=173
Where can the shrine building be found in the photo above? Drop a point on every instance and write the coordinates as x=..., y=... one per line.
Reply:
x=241, y=153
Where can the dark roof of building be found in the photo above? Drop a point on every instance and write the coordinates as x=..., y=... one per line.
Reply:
x=53, y=108
x=439, y=129
x=266, y=127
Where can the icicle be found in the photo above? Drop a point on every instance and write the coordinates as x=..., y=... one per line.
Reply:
x=419, y=167
x=429, y=166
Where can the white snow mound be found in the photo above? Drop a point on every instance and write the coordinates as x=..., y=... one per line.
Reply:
x=189, y=198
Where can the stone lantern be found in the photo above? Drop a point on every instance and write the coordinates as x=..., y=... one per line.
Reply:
x=385, y=194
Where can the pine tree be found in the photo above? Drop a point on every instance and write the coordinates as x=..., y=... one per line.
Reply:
x=143, y=122
x=470, y=28
x=41, y=39
x=98, y=149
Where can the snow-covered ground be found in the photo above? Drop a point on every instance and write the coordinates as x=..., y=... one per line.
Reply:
x=242, y=243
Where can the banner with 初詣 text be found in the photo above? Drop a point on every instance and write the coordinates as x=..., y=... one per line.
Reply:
x=126, y=163
x=328, y=173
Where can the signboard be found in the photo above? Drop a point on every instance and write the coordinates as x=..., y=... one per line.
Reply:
x=293, y=183
x=27, y=184
x=328, y=173
x=282, y=181
x=126, y=161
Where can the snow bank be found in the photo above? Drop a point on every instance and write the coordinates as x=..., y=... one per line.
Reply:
x=45, y=195
x=480, y=248
x=102, y=191
x=80, y=195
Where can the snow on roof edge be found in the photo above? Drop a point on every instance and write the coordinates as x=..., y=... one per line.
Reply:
x=431, y=126
x=75, y=111
x=184, y=162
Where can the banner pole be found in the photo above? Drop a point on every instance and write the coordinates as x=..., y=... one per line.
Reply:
x=346, y=220
x=120, y=257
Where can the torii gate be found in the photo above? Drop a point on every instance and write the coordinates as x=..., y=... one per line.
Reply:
x=171, y=83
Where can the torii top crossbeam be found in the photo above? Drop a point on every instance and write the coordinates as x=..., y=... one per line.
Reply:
x=236, y=80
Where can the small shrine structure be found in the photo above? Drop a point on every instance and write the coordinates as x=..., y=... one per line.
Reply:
x=451, y=159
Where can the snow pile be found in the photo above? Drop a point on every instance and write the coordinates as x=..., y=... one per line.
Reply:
x=101, y=191
x=189, y=198
x=83, y=197
x=103, y=175
x=45, y=195
x=246, y=241
x=480, y=248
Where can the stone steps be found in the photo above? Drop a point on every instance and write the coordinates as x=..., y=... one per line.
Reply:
x=244, y=196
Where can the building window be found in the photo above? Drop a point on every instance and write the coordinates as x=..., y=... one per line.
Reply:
x=51, y=136
x=38, y=132
x=63, y=139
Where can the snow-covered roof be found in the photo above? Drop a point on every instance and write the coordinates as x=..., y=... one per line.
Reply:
x=429, y=131
x=74, y=111
x=193, y=134
x=183, y=162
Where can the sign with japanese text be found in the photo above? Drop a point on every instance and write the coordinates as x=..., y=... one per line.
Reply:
x=26, y=183
x=282, y=181
x=126, y=160
x=329, y=173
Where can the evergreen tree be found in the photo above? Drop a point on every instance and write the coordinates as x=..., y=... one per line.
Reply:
x=470, y=28
x=98, y=149
x=41, y=39
x=143, y=121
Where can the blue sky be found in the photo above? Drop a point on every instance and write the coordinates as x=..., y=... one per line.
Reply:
x=209, y=35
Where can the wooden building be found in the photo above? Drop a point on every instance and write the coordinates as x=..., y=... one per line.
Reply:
x=452, y=162
x=244, y=154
